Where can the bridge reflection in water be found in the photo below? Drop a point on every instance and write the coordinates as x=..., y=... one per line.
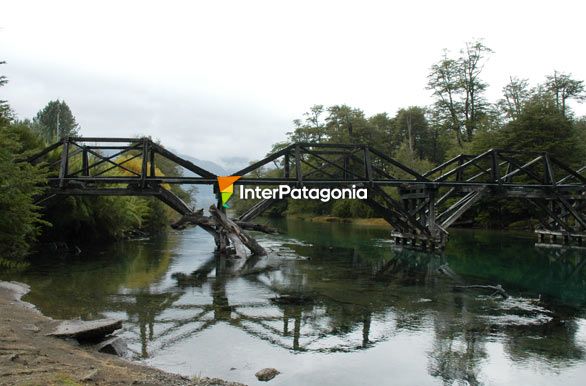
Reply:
x=352, y=298
x=348, y=299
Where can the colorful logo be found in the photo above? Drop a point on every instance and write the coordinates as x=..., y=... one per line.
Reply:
x=226, y=185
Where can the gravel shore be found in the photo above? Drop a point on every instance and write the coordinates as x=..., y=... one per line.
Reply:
x=29, y=357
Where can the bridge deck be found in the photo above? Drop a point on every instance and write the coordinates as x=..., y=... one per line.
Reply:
x=418, y=206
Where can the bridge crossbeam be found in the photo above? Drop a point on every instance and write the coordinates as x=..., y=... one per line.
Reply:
x=418, y=206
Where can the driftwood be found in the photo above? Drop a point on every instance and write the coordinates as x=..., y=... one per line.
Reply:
x=250, y=226
x=226, y=232
x=497, y=289
x=235, y=233
x=197, y=218
x=82, y=330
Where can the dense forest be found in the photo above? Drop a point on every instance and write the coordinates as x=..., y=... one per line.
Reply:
x=461, y=120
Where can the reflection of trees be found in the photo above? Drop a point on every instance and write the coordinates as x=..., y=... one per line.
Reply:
x=349, y=299
x=390, y=289
x=559, y=336
x=458, y=346
x=516, y=262
x=83, y=286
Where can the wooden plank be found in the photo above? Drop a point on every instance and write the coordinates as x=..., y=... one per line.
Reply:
x=443, y=165
x=182, y=162
x=405, y=168
x=444, y=176
x=117, y=164
x=552, y=215
x=331, y=163
x=476, y=196
x=104, y=159
x=263, y=162
x=520, y=168
x=298, y=171
x=64, y=163
x=46, y=150
x=367, y=164
x=106, y=139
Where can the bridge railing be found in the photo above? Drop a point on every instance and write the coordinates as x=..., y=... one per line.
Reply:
x=425, y=205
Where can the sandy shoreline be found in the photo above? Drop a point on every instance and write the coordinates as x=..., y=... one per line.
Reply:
x=28, y=357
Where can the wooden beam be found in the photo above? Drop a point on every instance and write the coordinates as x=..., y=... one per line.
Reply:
x=181, y=162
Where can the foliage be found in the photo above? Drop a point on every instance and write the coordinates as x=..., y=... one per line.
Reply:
x=5, y=111
x=460, y=120
x=458, y=89
x=541, y=127
x=562, y=87
x=19, y=182
x=56, y=121
x=104, y=217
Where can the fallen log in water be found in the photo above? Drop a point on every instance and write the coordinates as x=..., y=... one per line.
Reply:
x=226, y=231
x=197, y=218
x=235, y=233
x=497, y=289
x=250, y=226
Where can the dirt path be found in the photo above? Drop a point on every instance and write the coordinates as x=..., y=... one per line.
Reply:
x=28, y=357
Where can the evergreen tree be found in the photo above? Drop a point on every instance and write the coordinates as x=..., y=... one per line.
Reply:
x=541, y=127
x=56, y=121
x=5, y=112
x=20, y=182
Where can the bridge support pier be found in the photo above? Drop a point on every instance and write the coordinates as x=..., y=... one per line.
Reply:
x=559, y=238
x=418, y=242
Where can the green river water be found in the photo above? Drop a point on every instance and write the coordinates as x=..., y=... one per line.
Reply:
x=368, y=314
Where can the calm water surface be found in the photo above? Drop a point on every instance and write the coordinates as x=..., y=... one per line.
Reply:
x=368, y=314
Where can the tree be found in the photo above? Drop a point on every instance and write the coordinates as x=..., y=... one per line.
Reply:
x=345, y=124
x=413, y=129
x=541, y=127
x=56, y=121
x=444, y=82
x=515, y=94
x=310, y=129
x=471, y=64
x=384, y=128
x=5, y=112
x=20, y=182
x=563, y=87
x=458, y=89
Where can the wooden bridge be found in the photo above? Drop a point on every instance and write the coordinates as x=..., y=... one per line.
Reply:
x=419, y=207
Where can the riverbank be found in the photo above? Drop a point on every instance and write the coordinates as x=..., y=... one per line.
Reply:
x=374, y=221
x=522, y=225
x=29, y=357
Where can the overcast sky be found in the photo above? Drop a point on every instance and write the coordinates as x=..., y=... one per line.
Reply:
x=220, y=79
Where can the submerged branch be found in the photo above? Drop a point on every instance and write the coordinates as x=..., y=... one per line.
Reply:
x=497, y=289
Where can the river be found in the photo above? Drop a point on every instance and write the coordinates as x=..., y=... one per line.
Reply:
x=364, y=313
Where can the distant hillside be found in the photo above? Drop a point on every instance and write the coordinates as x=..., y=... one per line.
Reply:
x=205, y=194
